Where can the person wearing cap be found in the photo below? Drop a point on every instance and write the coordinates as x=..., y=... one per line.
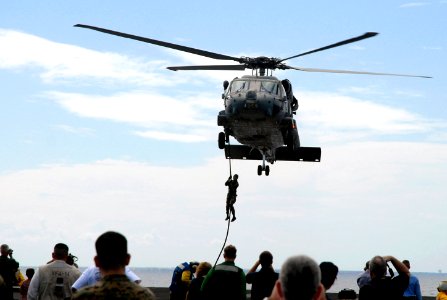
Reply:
x=54, y=280
x=112, y=258
x=231, y=196
x=442, y=291
x=8, y=268
x=181, y=279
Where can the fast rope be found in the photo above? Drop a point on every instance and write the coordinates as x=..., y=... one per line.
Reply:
x=229, y=215
x=223, y=246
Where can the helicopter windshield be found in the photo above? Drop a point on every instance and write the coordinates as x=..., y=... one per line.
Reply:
x=239, y=86
x=269, y=87
x=264, y=86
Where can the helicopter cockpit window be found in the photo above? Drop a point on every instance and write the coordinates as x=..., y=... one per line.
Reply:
x=239, y=86
x=269, y=87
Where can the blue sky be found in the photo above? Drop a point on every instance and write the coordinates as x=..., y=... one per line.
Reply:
x=98, y=135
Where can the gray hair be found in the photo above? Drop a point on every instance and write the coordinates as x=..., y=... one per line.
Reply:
x=300, y=277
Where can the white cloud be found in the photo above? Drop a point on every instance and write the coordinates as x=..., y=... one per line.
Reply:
x=158, y=208
x=434, y=48
x=356, y=47
x=337, y=114
x=162, y=110
x=183, y=118
x=82, y=131
x=192, y=118
x=167, y=136
x=67, y=62
x=414, y=4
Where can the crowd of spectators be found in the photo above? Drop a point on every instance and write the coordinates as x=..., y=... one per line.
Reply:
x=300, y=277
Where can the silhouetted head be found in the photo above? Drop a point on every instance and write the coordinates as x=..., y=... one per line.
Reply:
x=111, y=251
x=366, y=266
x=60, y=251
x=266, y=259
x=377, y=267
x=4, y=249
x=230, y=252
x=29, y=273
x=329, y=273
x=235, y=177
x=406, y=262
x=300, y=278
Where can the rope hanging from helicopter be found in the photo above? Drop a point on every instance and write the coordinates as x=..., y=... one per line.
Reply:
x=229, y=216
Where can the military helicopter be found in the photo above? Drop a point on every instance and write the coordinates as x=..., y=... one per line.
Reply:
x=259, y=108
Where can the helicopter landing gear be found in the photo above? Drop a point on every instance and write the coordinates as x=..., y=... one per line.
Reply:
x=263, y=167
x=290, y=141
x=266, y=169
x=222, y=139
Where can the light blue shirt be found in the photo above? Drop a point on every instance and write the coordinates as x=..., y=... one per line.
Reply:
x=92, y=275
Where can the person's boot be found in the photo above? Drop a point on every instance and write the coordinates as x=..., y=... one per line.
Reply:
x=227, y=218
x=233, y=219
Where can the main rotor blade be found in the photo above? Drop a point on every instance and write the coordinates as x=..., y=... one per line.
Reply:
x=348, y=41
x=353, y=72
x=161, y=43
x=210, y=67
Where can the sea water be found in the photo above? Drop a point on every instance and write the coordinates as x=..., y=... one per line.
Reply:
x=161, y=277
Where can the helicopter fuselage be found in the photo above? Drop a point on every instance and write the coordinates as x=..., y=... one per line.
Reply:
x=258, y=113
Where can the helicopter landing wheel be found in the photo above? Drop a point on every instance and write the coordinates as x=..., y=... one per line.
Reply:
x=221, y=140
x=266, y=169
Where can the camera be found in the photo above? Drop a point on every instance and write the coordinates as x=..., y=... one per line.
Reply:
x=10, y=251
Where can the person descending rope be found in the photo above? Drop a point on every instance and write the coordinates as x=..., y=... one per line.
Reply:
x=231, y=196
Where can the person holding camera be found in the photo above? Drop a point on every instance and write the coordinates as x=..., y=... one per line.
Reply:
x=385, y=287
x=54, y=280
x=8, y=268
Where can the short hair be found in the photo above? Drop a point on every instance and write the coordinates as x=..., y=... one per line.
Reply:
x=29, y=273
x=4, y=249
x=377, y=266
x=111, y=250
x=203, y=269
x=265, y=259
x=300, y=278
x=329, y=273
x=230, y=251
x=406, y=262
x=60, y=251
x=366, y=266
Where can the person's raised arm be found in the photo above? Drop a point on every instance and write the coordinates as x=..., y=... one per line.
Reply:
x=398, y=265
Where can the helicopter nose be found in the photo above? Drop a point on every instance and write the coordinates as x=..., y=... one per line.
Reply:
x=251, y=95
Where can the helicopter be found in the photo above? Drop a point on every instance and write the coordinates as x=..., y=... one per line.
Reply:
x=259, y=108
